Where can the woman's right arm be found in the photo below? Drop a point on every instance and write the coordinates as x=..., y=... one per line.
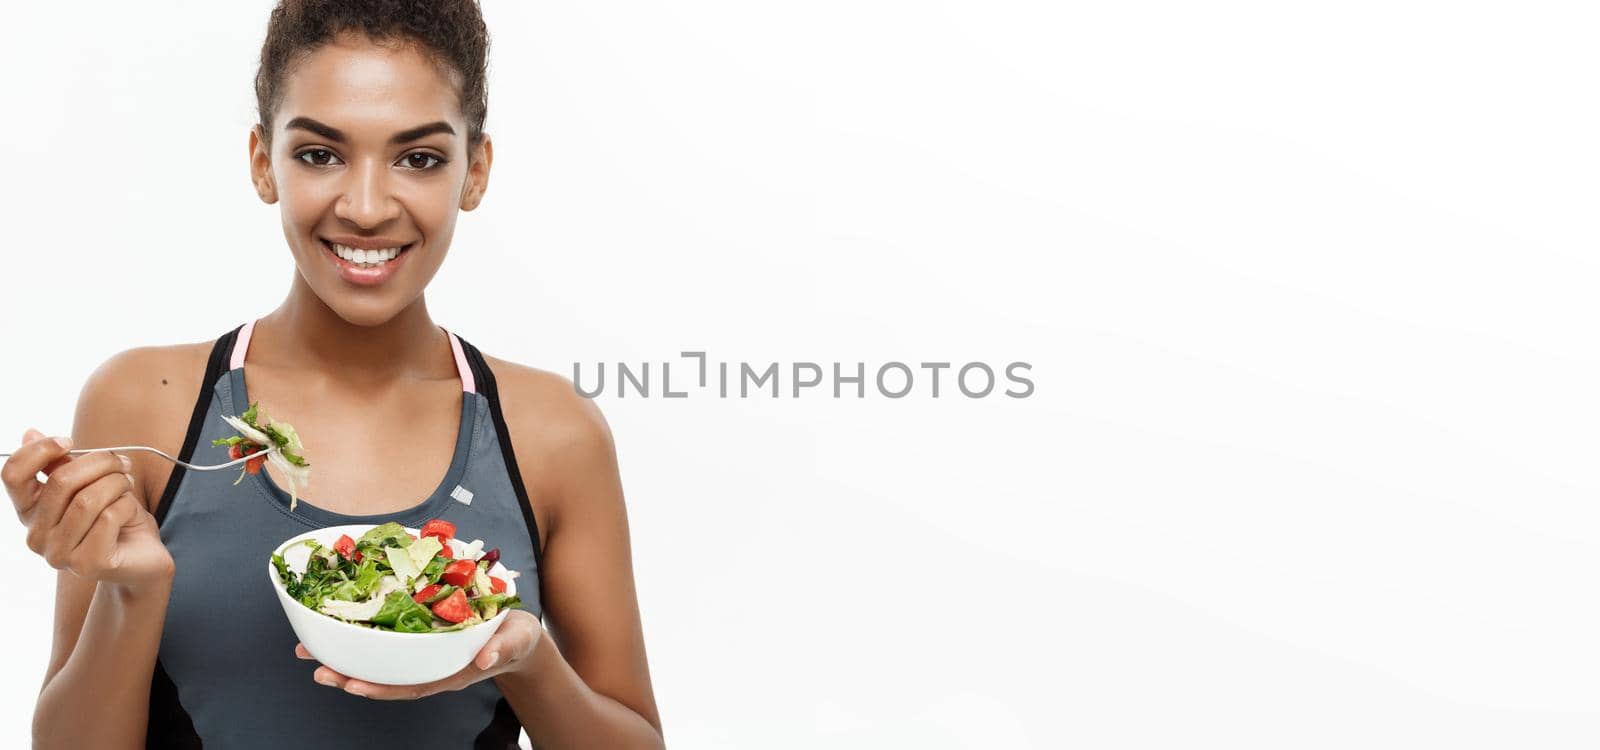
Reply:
x=90, y=519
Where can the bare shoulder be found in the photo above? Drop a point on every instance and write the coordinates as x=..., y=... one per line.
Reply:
x=137, y=381
x=142, y=396
x=548, y=407
x=562, y=440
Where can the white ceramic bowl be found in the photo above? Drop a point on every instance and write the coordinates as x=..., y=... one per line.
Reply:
x=380, y=656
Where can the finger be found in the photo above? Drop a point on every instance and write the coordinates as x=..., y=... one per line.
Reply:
x=509, y=644
x=50, y=468
x=80, y=515
x=65, y=484
x=379, y=692
x=360, y=688
x=21, y=470
x=326, y=676
x=98, y=550
x=489, y=655
x=71, y=478
x=32, y=435
x=501, y=643
x=301, y=652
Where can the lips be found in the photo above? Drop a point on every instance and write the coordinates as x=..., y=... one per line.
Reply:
x=366, y=261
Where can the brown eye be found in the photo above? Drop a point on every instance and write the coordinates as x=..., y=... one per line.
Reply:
x=421, y=160
x=318, y=157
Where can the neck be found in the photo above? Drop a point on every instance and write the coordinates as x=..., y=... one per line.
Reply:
x=305, y=333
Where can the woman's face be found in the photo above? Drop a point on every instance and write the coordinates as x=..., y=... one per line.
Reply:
x=370, y=163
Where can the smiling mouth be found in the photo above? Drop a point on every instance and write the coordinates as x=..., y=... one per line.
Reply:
x=366, y=258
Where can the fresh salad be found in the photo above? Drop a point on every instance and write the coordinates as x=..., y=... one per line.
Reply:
x=268, y=440
x=391, y=580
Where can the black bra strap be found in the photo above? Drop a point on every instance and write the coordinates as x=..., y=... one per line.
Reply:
x=215, y=367
x=491, y=391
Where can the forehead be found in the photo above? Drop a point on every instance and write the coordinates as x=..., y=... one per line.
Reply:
x=355, y=84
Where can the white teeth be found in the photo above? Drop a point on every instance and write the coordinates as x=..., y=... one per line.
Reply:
x=365, y=257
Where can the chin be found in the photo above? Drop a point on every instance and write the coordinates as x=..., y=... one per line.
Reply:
x=367, y=313
x=361, y=307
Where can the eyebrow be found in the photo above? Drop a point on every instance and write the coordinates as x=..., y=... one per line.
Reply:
x=421, y=131
x=337, y=135
x=326, y=131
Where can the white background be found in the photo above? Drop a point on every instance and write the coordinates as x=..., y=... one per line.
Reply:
x=1308, y=290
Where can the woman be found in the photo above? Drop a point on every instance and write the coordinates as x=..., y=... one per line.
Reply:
x=370, y=140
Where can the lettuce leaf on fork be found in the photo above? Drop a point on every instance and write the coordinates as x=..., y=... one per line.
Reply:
x=277, y=440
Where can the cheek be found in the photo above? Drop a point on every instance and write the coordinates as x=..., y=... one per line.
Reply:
x=303, y=200
x=431, y=205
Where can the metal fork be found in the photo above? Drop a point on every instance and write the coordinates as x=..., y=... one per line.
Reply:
x=184, y=464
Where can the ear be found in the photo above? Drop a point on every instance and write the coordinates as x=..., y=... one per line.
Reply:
x=261, y=167
x=480, y=159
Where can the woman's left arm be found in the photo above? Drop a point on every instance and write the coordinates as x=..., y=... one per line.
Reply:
x=589, y=686
x=585, y=681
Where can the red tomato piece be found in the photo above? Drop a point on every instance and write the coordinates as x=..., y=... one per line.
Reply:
x=444, y=530
x=498, y=585
x=453, y=608
x=254, y=465
x=459, y=573
x=235, y=452
x=427, y=593
x=345, y=546
x=446, y=552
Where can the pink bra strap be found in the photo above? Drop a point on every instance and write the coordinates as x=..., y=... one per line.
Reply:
x=462, y=368
x=241, y=344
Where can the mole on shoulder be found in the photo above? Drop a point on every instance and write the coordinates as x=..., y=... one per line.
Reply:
x=163, y=381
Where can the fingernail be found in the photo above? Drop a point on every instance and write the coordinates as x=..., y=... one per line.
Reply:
x=127, y=463
x=353, y=690
x=65, y=443
x=322, y=680
x=494, y=658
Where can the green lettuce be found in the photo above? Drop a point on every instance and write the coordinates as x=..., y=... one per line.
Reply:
x=390, y=534
x=404, y=614
x=489, y=605
x=404, y=569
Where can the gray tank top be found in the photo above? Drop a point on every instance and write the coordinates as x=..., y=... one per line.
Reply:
x=226, y=676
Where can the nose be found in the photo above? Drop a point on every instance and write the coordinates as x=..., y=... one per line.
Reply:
x=366, y=200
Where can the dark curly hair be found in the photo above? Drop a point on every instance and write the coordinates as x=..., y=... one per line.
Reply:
x=451, y=31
